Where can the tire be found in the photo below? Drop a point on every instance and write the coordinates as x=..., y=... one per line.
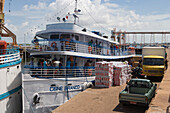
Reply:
x=122, y=103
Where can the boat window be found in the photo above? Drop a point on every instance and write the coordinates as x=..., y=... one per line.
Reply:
x=77, y=37
x=65, y=36
x=54, y=36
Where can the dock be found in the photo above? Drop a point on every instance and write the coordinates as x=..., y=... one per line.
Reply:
x=161, y=102
x=106, y=100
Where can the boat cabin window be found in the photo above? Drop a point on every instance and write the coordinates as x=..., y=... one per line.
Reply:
x=77, y=37
x=65, y=36
x=54, y=36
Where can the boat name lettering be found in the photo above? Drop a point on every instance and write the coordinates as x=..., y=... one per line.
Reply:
x=72, y=87
x=56, y=88
x=60, y=88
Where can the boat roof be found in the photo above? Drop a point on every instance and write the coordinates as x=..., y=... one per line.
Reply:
x=69, y=28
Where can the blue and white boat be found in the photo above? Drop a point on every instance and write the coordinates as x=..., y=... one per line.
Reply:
x=10, y=77
x=10, y=70
x=63, y=64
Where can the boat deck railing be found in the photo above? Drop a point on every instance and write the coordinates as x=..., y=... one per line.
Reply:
x=9, y=55
x=78, y=46
x=59, y=72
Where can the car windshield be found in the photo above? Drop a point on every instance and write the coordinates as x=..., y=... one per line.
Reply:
x=153, y=61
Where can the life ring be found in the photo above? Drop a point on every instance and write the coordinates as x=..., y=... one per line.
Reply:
x=36, y=46
x=89, y=49
x=53, y=44
x=89, y=72
x=55, y=72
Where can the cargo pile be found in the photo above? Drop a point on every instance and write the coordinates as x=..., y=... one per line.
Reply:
x=112, y=73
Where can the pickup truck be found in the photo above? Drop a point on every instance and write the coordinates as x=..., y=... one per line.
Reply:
x=138, y=91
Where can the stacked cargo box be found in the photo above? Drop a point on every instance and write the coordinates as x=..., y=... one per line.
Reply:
x=104, y=74
x=121, y=74
x=112, y=73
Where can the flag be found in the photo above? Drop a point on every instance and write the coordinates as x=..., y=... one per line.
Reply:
x=66, y=17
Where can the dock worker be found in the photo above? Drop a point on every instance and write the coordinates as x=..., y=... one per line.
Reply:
x=166, y=64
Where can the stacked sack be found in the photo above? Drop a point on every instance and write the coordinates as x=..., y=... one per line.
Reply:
x=104, y=74
x=109, y=73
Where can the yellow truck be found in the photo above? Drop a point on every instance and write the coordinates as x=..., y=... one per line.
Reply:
x=153, y=61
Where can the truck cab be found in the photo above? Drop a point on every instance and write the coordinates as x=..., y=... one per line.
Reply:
x=153, y=65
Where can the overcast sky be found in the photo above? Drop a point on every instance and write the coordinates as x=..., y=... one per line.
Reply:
x=26, y=17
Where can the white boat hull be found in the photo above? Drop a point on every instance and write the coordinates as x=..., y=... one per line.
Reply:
x=10, y=89
x=52, y=92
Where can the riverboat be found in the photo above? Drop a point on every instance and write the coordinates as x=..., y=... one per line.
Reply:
x=63, y=64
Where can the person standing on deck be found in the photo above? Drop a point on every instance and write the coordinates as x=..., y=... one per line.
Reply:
x=73, y=45
x=61, y=66
x=68, y=66
x=45, y=66
x=32, y=62
x=96, y=47
x=90, y=48
x=86, y=66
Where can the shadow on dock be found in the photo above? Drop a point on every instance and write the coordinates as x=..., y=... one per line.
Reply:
x=168, y=109
x=130, y=108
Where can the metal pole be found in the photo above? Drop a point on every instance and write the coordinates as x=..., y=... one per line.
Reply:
x=66, y=75
x=25, y=48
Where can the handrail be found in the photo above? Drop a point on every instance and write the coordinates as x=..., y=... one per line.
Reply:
x=57, y=72
x=9, y=55
x=78, y=46
x=61, y=67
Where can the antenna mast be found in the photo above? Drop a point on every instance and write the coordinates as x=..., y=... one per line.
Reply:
x=75, y=6
x=75, y=11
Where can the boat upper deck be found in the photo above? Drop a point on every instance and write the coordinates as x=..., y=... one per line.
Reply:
x=9, y=57
x=63, y=28
x=72, y=39
x=79, y=48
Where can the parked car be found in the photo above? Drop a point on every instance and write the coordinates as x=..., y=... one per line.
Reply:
x=138, y=91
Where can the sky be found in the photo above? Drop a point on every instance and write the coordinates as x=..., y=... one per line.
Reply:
x=26, y=17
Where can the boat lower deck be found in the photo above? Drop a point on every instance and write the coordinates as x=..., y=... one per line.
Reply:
x=106, y=100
